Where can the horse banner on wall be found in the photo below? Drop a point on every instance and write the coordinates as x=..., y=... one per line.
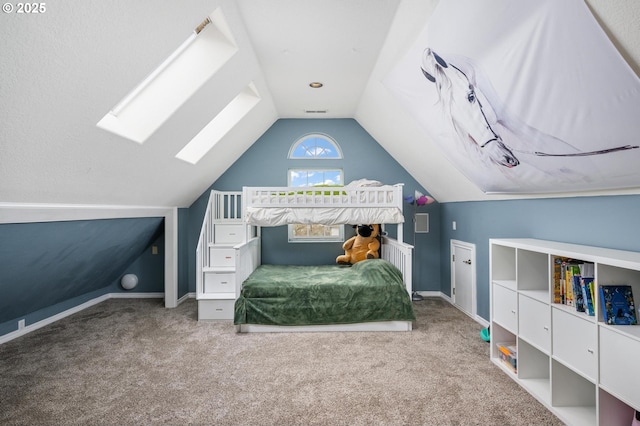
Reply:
x=524, y=97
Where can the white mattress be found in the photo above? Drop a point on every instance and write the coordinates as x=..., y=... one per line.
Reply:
x=276, y=216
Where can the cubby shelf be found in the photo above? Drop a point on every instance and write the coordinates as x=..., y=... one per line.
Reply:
x=583, y=370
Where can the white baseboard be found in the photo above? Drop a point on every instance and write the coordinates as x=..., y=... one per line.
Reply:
x=441, y=295
x=158, y=295
x=186, y=297
x=24, y=329
x=430, y=293
x=482, y=321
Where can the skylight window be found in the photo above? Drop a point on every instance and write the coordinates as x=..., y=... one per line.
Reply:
x=220, y=125
x=157, y=97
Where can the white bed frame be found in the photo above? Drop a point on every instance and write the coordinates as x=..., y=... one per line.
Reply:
x=393, y=250
x=396, y=252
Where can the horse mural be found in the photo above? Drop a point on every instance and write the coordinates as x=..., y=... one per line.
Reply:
x=487, y=129
x=458, y=94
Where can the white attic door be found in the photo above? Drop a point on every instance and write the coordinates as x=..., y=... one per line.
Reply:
x=157, y=97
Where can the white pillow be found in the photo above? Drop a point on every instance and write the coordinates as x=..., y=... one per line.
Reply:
x=360, y=183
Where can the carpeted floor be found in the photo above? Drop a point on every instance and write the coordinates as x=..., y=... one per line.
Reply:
x=133, y=362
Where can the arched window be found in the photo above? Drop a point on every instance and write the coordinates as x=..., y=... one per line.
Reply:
x=315, y=146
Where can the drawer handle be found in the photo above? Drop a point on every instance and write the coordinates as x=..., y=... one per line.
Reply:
x=590, y=351
x=227, y=257
x=546, y=328
x=224, y=282
x=513, y=312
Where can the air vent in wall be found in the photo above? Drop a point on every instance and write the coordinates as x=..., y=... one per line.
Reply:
x=315, y=111
x=421, y=223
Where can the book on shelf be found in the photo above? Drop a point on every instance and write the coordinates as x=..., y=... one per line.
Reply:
x=568, y=276
x=618, y=307
x=579, y=296
x=587, y=270
x=568, y=283
x=558, y=294
x=586, y=284
x=569, y=269
x=561, y=293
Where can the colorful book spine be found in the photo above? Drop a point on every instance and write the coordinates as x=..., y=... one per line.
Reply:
x=586, y=285
x=579, y=298
x=568, y=285
x=558, y=294
x=570, y=269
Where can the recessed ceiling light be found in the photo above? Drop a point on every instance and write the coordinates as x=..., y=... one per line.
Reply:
x=316, y=85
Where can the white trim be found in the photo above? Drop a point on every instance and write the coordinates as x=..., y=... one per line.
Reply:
x=60, y=315
x=481, y=321
x=36, y=212
x=186, y=297
x=156, y=295
x=171, y=258
x=476, y=318
x=434, y=294
x=32, y=212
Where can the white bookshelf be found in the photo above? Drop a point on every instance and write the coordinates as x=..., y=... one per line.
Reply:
x=583, y=370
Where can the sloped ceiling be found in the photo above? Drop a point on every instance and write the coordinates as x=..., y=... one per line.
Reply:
x=63, y=70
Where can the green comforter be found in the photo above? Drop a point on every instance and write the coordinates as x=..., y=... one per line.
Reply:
x=371, y=290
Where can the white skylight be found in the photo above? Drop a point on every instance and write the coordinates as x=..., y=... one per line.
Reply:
x=220, y=125
x=156, y=98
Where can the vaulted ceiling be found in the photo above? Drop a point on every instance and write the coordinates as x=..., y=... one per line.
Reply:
x=63, y=70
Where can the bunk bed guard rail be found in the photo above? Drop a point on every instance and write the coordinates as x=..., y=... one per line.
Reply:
x=338, y=196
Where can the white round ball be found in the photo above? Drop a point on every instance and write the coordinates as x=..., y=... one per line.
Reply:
x=129, y=281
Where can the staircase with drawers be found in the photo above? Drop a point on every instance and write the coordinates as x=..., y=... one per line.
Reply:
x=220, y=256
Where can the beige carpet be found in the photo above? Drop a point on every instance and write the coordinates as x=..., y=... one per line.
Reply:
x=133, y=362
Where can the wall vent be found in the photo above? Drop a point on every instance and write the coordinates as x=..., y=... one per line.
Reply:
x=421, y=223
x=315, y=111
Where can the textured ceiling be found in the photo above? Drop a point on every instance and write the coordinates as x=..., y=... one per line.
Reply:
x=62, y=71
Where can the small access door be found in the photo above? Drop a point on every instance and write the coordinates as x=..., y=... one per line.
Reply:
x=463, y=276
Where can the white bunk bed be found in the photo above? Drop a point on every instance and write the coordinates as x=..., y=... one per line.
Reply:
x=357, y=203
x=242, y=214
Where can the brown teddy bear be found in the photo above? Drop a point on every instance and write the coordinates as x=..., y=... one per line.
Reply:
x=364, y=245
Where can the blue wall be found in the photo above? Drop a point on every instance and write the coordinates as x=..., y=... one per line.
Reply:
x=610, y=221
x=266, y=164
x=46, y=268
